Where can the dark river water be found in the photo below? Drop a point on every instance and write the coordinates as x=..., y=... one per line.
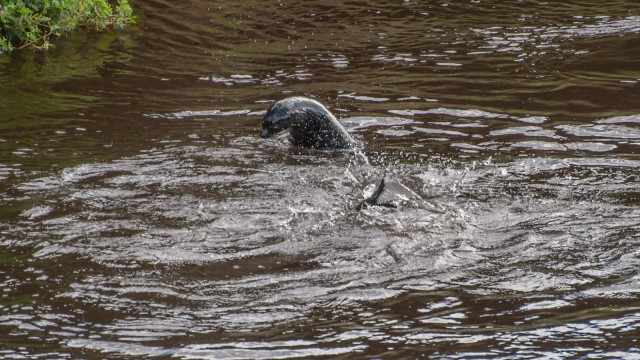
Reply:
x=142, y=217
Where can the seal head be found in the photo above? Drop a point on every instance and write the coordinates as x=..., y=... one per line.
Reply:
x=309, y=123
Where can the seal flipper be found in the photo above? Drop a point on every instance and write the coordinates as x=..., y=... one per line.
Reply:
x=373, y=199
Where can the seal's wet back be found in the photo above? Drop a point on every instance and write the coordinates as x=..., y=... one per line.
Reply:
x=309, y=122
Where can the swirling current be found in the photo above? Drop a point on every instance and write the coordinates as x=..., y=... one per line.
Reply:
x=142, y=217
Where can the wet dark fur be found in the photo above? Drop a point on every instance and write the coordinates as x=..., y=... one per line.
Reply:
x=310, y=124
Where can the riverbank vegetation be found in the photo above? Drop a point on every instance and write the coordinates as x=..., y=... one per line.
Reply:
x=34, y=23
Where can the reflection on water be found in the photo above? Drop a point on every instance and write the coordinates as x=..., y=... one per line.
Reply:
x=142, y=217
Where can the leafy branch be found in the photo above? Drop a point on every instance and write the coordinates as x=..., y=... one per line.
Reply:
x=32, y=23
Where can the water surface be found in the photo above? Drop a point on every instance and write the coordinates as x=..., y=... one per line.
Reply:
x=142, y=217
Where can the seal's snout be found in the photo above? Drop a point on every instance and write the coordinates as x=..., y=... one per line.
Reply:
x=265, y=133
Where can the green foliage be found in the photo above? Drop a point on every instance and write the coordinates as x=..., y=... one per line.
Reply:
x=32, y=23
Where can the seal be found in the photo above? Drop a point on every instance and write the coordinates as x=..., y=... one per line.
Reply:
x=310, y=124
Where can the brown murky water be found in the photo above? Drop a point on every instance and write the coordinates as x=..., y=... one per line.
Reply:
x=141, y=216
